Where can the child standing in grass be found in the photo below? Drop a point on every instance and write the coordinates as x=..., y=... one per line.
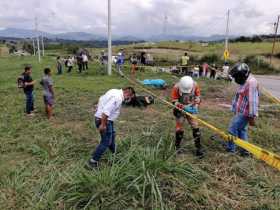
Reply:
x=48, y=95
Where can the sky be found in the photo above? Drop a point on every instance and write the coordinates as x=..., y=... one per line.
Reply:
x=142, y=17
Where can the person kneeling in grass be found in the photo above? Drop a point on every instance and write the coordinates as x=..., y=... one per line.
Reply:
x=48, y=95
x=108, y=110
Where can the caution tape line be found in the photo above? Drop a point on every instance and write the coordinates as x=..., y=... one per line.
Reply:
x=270, y=96
x=268, y=157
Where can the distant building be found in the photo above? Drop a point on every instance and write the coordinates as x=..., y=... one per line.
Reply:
x=204, y=44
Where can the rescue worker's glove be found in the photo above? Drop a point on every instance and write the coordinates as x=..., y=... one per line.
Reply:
x=191, y=109
x=180, y=106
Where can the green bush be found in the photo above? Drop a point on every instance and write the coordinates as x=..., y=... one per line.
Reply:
x=260, y=66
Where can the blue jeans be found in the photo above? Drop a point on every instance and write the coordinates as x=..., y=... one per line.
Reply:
x=107, y=140
x=239, y=128
x=29, y=101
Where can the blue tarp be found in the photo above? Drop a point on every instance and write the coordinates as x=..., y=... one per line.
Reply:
x=157, y=83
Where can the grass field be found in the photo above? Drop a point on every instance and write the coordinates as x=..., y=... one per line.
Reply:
x=172, y=51
x=41, y=162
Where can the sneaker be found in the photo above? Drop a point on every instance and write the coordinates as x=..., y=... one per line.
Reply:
x=91, y=164
x=30, y=115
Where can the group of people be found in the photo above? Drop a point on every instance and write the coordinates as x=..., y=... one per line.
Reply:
x=203, y=70
x=81, y=60
x=186, y=96
x=26, y=82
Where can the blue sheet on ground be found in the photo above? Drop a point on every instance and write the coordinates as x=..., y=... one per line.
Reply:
x=157, y=83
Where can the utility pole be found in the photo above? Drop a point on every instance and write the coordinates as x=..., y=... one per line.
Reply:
x=109, y=39
x=38, y=41
x=34, y=48
x=43, y=46
x=275, y=37
x=227, y=36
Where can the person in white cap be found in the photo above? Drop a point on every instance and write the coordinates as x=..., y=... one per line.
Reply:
x=186, y=96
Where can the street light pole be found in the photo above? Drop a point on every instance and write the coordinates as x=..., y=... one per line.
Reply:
x=109, y=39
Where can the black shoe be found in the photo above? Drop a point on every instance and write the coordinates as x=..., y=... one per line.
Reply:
x=244, y=153
x=199, y=153
x=91, y=165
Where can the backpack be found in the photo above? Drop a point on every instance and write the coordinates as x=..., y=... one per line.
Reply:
x=20, y=81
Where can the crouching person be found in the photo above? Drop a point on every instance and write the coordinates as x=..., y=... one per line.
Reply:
x=186, y=96
x=245, y=104
x=108, y=110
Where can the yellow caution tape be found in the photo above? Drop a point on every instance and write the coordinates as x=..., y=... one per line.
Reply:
x=270, y=96
x=269, y=157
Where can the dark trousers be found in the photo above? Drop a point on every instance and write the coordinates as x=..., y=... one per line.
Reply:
x=213, y=74
x=85, y=65
x=29, y=101
x=70, y=68
x=80, y=67
x=107, y=140
x=59, y=69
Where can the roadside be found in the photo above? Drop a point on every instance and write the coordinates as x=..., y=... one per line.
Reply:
x=271, y=83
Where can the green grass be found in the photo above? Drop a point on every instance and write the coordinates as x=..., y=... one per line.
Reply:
x=42, y=162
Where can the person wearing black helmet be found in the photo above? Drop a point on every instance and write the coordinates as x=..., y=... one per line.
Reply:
x=245, y=104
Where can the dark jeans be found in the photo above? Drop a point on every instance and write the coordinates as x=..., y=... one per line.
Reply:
x=29, y=101
x=59, y=70
x=85, y=65
x=213, y=74
x=107, y=140
x=70, y=69
x=80, y=67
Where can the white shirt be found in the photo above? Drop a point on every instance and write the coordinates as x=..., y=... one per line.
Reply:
x=110, y=104
x=85, y=58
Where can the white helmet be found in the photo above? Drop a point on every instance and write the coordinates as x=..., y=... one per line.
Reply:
x=186, y=84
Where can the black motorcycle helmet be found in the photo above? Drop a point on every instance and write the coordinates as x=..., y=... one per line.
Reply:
x=240, y=72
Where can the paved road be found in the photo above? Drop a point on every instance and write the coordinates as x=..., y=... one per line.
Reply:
x=271, y=83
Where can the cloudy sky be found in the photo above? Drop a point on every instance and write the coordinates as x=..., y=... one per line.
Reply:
x=142, y=17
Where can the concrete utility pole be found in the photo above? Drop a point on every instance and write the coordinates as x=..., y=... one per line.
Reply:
x=43, y=46
x=34, y=48
x=109, y=39
x=227, y=31
x=38, y=39
x=275, y=37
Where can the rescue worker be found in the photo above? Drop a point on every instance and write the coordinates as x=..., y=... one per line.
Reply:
x=186, y=96
x=245, y=104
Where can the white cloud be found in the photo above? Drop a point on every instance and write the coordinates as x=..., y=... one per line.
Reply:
x=142, y=17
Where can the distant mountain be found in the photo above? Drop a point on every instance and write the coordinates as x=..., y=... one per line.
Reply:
x=79, y=36
x=27, y=33
x=82, y=36
x=21, y=33
x=162, y=37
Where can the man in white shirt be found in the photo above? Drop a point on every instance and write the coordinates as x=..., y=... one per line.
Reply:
x=85, y=61
x=108, y=110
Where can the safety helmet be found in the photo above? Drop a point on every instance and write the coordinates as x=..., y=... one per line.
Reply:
x=186, y=84
x=240, y=72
